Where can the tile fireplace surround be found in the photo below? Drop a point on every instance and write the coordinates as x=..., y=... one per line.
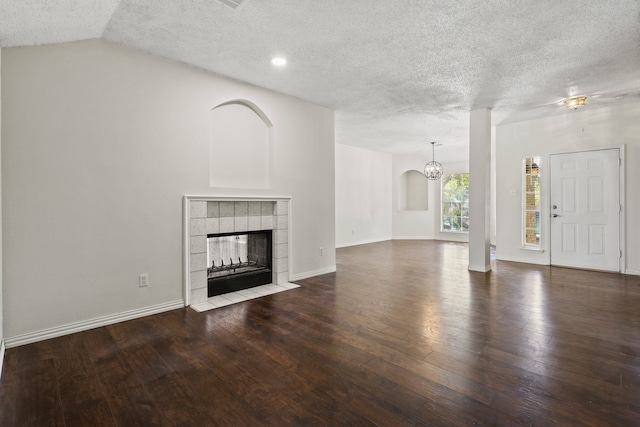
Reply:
x=211, y=215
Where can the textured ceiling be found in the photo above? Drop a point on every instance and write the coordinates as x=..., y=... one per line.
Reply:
x=399, y=73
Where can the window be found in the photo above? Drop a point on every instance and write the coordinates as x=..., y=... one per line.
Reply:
x=531, y=202
x=455, y=202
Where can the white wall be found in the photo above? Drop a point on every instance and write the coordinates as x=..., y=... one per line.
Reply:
x=414, y=191
x=363, y=196
x=581, y=129
x=369, y=199
x=1, y=242
x=99, y=144
x=240, y=148
x=492, y=211
x=412, y=224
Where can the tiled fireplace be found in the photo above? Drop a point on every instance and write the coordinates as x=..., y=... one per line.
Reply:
x=208, y=216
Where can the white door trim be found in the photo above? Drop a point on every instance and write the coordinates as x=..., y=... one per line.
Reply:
x=623, y=202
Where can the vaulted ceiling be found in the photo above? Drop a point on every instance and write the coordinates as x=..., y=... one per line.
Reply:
x=399, y=73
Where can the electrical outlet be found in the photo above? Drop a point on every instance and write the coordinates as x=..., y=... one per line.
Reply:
x=143, y=280
x=321, y=251
x=513, y=193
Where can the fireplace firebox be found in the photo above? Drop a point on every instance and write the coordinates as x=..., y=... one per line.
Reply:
x=237, y=261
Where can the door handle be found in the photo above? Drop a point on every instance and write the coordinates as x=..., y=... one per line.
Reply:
x=555, y=215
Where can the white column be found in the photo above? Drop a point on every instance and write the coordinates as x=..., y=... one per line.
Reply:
x=479, y=189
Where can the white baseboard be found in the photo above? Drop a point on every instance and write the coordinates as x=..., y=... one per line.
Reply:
x=1, y=356
x=479, y=268
x=413, y=237
x=521, y=261
x=362, y=242
x=313, y=273
x=85, y=325
x=463, y=238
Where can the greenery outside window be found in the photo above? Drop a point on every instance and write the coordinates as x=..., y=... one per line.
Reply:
x=455, y=202
x=531, y=202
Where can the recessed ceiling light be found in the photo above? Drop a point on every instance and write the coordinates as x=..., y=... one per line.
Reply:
x=279, y=61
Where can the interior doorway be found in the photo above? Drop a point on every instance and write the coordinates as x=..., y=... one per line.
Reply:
x=585, y=209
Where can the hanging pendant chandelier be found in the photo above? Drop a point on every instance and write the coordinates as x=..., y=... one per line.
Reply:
x=433, y=169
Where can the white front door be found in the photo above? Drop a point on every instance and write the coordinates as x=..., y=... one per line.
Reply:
x=585, y=209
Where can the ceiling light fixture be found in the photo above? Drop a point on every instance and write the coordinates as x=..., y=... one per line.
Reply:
x=279, y=61
x=575, y=102
x=433, y=169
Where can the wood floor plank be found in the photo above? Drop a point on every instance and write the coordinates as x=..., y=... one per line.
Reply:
x=10, y=388
x=352, y=365
x=81, y=395
x=173, y=398
x=38, y=400
x=334, y=394
x=401, y=335
x=221, y=391
x=130, y=403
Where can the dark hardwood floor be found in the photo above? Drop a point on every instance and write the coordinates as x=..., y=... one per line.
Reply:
x=401, y=335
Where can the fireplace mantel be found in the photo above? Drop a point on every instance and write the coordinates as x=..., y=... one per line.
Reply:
x=250, y=213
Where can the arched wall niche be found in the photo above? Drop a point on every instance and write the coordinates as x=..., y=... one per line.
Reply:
x=240, y=146
x=414, y=191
